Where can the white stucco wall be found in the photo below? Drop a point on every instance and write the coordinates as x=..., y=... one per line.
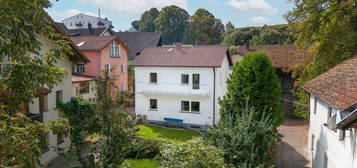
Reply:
x=326, y=144
x=170, y=92
x=84, y=19
x=52, y=113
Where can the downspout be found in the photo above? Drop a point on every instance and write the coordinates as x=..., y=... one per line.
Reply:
x=214, y=96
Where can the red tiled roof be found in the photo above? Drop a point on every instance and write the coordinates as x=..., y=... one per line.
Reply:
x=183, y=56
x=94, y=42
x=80, y=78
x=281, y=56
x=338, y=86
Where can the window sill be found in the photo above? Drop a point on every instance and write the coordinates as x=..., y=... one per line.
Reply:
x=191, y=112
x=185, y=84
x=152, y=109
x=152, y=83
x=114, y=57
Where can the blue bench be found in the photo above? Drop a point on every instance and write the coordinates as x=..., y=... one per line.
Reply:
x=173, y=121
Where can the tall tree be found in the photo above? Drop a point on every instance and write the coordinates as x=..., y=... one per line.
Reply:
x=146, y=22
x=229, y=27
x=328, y=30
x=253, y=81
x=172, y=22
x=205, y=28
x=135, y=24
x=28, y=68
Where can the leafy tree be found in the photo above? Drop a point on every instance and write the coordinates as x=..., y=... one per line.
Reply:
x=229, y=27
x=23, y=24
x=135, y=24
x=328, y=30
x=146, y=22
x=253, y=80
x=194, y=153
x=172, y=22
x=246, y=141
x=271, y=37
x=205, y=28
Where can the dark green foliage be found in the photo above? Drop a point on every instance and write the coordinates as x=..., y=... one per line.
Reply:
x=229, y=27
x=247, y=141
x=146, y=22
x=204, y=28
x=135, y=24
x=277, y=34
x=143, y=148
x=255, y=82
x=172, y=22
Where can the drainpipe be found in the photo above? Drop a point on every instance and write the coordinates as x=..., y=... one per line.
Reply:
x=214, y=95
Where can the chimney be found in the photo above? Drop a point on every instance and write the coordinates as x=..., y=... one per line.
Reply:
x=247, y=45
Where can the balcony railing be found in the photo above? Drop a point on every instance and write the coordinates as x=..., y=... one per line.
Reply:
x=36, y=117
x=174, y=89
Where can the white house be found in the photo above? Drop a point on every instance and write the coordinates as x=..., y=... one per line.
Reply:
x=181, y=83
x=332, y=141
x=43, y=108
x=83, y=21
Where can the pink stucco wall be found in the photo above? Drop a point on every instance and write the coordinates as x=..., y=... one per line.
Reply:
x=98, y=59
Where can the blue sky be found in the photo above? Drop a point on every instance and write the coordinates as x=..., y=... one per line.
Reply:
x=122, y=12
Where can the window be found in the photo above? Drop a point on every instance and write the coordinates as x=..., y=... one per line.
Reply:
x=79, y=68
x=312, y=142
x=185, y=106
x=84, y=87
x=60, y=139
x=42, y=99
x=184, y=79
x=59, y=97
x=195, y=106
x=195, y=81
x=153, y=104
x=122, y=87
x=153, y=77
x=114, y=50
x=122, y=68
x=315, y=104
x=329, y=113
x=107, y=67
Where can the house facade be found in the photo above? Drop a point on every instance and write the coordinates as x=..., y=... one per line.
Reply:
x=181, y=83
x=84, y=86
x=105, y=53
x=83, y=21
x=332, y=138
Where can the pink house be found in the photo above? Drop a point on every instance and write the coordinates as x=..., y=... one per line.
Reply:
x=104, y=53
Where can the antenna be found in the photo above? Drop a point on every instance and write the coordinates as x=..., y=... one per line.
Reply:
x=99, y=13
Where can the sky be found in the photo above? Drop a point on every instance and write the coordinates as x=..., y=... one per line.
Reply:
x=241, y=13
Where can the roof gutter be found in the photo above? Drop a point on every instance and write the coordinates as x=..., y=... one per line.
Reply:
x=214, y=95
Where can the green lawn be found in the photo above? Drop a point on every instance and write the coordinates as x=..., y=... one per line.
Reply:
x=156, y=132
x=143, y=163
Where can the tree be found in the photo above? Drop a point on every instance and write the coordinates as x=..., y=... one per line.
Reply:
x=172, y=22
x=23, y=75
x=194, y=153
x=253, y=80
x=246, y=141
x=327, y=29
x=135, y=24
x=146, y=22
x=271, y=37
x=229, y=27
x=205, y=28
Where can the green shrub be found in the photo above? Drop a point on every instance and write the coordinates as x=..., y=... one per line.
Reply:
x=193, y=154
x=143, y=148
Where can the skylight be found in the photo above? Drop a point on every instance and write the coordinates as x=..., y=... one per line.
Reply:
x=81, y=43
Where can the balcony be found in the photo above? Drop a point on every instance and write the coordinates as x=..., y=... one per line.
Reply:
x=36, y=117
x=177, y=89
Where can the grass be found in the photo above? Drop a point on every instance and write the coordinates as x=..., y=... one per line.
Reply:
x=143, y=163
x=159, y=133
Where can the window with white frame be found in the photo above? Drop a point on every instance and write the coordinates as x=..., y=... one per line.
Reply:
x=114, y=49
x=79, y=68
x=185, y=79
x=153, y=104
x=153, y=77
x=107, y=67
x=190, y=106
x=122, y=68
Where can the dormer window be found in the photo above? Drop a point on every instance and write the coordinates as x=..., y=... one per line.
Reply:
x=79, y=68
x=114, y=50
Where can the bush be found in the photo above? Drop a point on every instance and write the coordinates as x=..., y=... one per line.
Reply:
x=246, y=141
x=193, y=154
x=143, y=148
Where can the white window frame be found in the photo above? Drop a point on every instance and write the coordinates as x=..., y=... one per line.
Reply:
x=114, y=50
x=157, y=105
x=190, y=106
x=107, y=68
x=79, y=68
x=122, y=68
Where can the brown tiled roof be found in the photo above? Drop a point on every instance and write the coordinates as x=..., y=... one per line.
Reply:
x=81, y=78
x=183, y=56
x=281, y=56
x=94, y=42
x=338, y=86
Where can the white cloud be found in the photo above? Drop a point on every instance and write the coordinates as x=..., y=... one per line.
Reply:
x=260, y=20
x=252, y=6
x=213, y=2
x=60, y=15
x=130, y=7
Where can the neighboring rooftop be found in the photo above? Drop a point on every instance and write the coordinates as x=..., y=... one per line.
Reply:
x=81, y=78
x=183, y=56
x=338, y=86
x=137, y=41
x=281, y=56
x=92, y=42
